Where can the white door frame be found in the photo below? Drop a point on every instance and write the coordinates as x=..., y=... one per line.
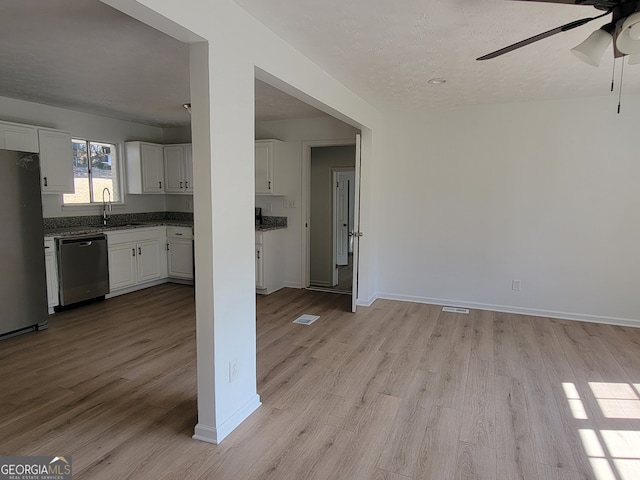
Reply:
x=306, y=201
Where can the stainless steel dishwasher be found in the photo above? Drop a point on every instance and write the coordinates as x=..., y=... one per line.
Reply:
x=83, y=268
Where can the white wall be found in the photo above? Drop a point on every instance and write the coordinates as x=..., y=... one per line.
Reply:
x=91, y=127
x=546, y=193
x=179, y=203
x=176, y=135
x=289, y=171
x=235, y=47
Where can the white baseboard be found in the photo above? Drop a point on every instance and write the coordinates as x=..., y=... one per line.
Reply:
x=215, y=435
x=268, y=291
x=293, y=285
x=366, y=303
x=205, y=434
x=181, y=281
x=320, y=283
x=624, y=322
x=136, y=288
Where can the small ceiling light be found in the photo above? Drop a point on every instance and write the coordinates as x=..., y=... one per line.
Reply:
x=628, y=40
x=591, y=50
x=188, y=107
x=437, y=81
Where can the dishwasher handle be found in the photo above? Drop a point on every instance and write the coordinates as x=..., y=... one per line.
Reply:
x=82, y=241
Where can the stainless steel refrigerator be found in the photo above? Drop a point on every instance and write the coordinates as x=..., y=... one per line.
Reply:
x=23, y=284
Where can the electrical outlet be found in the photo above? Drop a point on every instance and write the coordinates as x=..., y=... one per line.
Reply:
x=233, y=370
x=516, y=285
x=292, y=204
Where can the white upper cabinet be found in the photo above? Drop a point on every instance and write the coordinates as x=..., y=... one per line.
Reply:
x=173, y=166
x=266, y=154
x=145, y=167
x=21, y=138
x=56, y=161
x=188, y=168
x=178, y=168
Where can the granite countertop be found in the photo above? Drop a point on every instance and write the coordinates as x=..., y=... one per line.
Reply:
x=88, y=229
x=271, y=223
x=266, y=228
x=66, y=226
x=262, y=228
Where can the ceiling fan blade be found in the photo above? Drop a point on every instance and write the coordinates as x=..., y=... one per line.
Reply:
x=540, y=36
x=574, y=2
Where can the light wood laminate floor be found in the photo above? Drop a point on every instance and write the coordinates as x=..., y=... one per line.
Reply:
x=397, y=391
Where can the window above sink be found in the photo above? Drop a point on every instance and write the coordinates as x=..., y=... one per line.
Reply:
x=96, y=166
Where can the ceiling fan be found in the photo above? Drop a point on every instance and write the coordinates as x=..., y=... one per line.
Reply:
x=623, y=31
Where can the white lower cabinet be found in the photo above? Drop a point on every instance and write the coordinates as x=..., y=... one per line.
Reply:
x=51, y=267
x=122, y=266
x=136, y=259
x=259, y=267
x=269, y=261
x=150, y=264
x=180, y=252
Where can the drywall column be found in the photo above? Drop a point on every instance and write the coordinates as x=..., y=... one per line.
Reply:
x=222, y=133
x=367, y=271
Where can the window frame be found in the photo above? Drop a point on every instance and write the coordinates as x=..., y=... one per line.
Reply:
x=86, y=207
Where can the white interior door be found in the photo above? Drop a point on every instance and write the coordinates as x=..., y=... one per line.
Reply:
x=342, y=219
x=356, y=234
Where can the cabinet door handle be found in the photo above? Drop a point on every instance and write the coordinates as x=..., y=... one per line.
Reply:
x=139, y=250
x=45, y=182
x=269, y=184
x=258, y=254
x=159, y=184
x=168, y=247
x=186, y=184
x=178, y=234
x=180, y=184
x=133, y=252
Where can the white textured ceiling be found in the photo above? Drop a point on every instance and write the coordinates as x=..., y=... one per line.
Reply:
x=387, y=50
x=274, y=104
x=86, y=56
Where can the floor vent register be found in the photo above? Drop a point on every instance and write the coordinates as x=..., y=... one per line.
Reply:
x=306, y=319
x=456, y=310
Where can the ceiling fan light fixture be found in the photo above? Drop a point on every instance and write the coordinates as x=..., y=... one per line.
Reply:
x=628, y=41
x=591, y=50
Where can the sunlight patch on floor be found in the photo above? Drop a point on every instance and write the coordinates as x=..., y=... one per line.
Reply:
x=575, y=403
x=617, y=400
x=614, y=454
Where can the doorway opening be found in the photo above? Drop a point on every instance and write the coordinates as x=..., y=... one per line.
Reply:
x=331, y=201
